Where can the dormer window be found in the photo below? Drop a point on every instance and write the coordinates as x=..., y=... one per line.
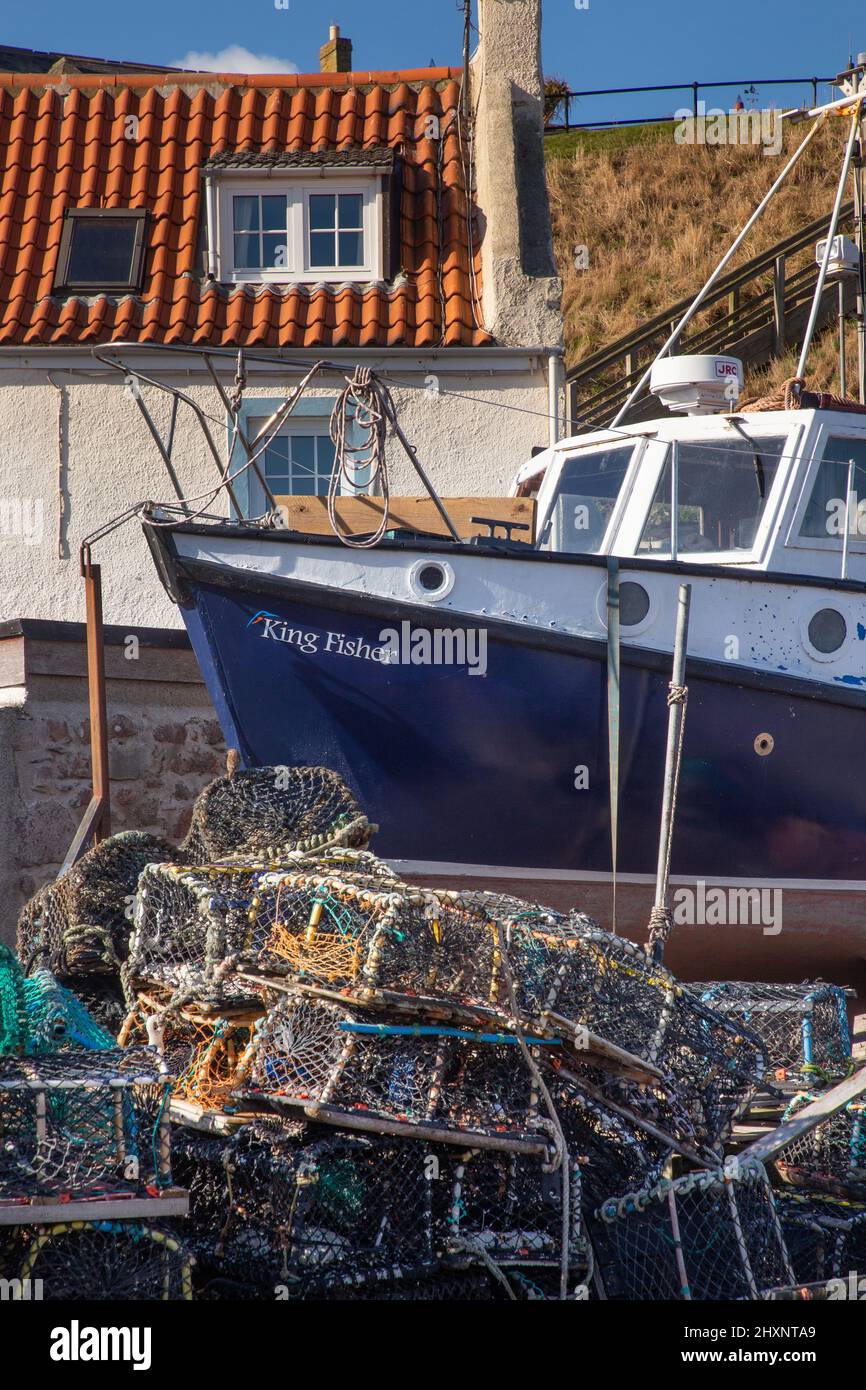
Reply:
x=101, y=249
x=330, y=216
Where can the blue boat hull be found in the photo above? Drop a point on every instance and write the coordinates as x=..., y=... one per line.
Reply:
x=482, y=770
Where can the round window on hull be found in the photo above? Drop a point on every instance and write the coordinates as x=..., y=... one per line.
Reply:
x=827, y=631
x=633, y=603
x=431, y=580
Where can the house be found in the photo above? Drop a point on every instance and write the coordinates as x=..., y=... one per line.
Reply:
x=394, y=219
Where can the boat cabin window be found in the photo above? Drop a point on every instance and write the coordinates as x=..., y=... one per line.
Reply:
x=586, y=490
x=723, y=486
x=825, y=512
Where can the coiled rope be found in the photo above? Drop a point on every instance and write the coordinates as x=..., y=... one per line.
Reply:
x=364, y=407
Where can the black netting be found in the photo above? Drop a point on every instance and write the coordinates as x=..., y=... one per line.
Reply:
x=272, y=810
x=80, y=925
x=296, y=1211
x=804, y=1028
x=82, y=1124
x=99, y=1261
x=825, y=1236
x=830, y=1157
x=713, y=1235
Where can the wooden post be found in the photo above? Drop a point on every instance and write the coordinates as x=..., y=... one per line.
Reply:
x=733, y=302
x=96, y=695
x=779, y=306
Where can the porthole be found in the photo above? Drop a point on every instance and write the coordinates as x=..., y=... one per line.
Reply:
x=633, y=603
x=638, y=610
x=431, y=580
x=827, y=631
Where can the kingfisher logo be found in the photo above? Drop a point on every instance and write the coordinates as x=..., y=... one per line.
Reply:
x=262, y=616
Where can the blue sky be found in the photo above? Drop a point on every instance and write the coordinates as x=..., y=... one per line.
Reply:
x=612, y=43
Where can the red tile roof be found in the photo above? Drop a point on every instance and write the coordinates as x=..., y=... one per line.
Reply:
x=64, y=146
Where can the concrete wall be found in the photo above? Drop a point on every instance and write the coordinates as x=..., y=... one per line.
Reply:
x=164, y=745
x=521, y=292
x=76, y=454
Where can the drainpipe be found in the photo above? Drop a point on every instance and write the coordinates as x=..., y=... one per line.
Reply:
x=210, y=205
x=554, y=387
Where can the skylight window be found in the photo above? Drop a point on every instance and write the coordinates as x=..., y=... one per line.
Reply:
x=101, y=249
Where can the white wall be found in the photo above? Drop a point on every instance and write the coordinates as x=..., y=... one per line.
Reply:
x=108, y=461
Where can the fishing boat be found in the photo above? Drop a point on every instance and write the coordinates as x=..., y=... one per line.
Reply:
x=463, y=687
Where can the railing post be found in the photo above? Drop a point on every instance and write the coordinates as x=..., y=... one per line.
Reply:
x=814, y=91
x=630, y=363
x=695, y=86
x=567, y=109
x=779, y=306
x=733, y=302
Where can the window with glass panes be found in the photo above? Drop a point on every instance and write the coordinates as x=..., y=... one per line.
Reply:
x=260, y=225
x=336, y=230
x=299, y=464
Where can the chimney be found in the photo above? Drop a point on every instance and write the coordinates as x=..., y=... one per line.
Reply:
x=521, y=290
x=336, y=54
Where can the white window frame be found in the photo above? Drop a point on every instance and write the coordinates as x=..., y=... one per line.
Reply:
x=832, y=544
x=297, y=185
x=647, y=485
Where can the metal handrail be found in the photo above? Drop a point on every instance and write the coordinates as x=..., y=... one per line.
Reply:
x=694, y=87
x=758, y=265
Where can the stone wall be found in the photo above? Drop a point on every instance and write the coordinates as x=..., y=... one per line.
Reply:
x=164, y=745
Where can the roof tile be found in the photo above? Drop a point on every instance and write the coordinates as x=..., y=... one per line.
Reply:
x=129, y=140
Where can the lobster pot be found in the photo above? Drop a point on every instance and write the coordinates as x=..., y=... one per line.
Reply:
x=314, y=1053
x=96, y=1261
x=272, y=811
x=80, y=925
x=208, y=1054
x=831, y=1157
x=826, y=1238
x=383, y=941
x=82, y=1125
x=299, y=1211
x=709, y=1235
x=566, y=972
x=804, y=1028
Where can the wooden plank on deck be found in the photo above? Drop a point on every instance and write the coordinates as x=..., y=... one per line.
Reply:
x=360, y=515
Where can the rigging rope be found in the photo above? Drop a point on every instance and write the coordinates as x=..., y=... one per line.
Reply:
x=363, y=406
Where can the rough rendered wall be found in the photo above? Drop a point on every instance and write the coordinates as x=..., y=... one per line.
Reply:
x=522, y=294
x=470, y=447
x=164, y=745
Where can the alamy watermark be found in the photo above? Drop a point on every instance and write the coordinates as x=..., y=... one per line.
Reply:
x=714, y=126
x=22, y=518
x=437, y=646
x=728, y=907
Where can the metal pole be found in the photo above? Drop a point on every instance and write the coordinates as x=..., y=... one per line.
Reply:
x=675, y=483
x=96, y=695
x=732, y=250
x=676, y=717
x=828, y=246
x=861, y=281
x=849, y=497
x=842, y=381
x=779, y=306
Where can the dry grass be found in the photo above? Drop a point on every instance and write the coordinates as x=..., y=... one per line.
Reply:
x=822, y=372
x=656, y=217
